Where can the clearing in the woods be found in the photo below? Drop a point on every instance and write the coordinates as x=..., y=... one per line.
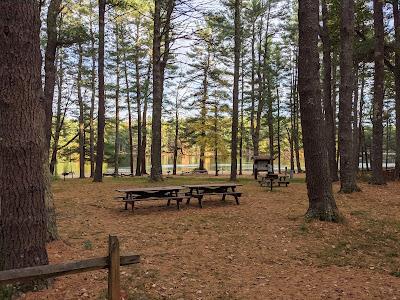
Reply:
x=261, y=249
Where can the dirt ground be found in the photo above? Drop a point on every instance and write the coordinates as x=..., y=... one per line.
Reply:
x=261, y=249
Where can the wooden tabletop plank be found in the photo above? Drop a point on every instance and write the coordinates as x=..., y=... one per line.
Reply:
x=211, y=185
x=151, y=189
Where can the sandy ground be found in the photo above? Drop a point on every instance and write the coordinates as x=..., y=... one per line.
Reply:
x=261, y=249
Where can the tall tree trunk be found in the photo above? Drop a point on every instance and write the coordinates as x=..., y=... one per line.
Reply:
x=296, y=141
x=128, y=102
x=117, y=92
x=291, y=132
x=270, y=125
x=81, y=115
x=138, y=104
x=216, y=138
x=156, y=171
x=235, y=112
x=360, y=120
x=59, y=117
x=347, y=173
x=93, y=96
x=261, y=94
x=49, y=84
x=50, y=66
x=241, y=118
x=396, y=17
x=322, y=204
x=98, y=176
x=144, y=119
x=279, y=130
x=327, y=95
x=23, y=149
x=203, y=112
x=176, y=136
x=379, y=76
x=252, y=95
x=356, y=132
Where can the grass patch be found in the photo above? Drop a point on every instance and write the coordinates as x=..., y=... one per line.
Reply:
x=87, y=245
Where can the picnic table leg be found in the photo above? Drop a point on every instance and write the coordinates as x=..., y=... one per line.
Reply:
x=271, y=183
x=189, y=196
x=133, y=205
x=178, y=203
x=237, y=199
x=169, y=202
x=200, y=203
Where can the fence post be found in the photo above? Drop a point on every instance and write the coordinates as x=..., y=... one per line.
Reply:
x=113, y=271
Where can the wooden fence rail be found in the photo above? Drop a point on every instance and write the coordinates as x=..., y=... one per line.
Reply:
x=111, y=262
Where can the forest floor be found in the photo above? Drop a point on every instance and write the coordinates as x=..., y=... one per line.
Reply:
x=261, y=249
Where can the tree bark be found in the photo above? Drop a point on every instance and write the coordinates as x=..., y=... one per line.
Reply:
x=327, y=95
x=356, y=132
x=241, y=117
x=93, y=91
x=377, y=116
x=161, y=33
x=203, y=112
x=23, y=229
x=117, y=93
x=235, y=112
x=144, y=119
x=322, y=204
x=138, y=104
x=396, y=17
x=59, y=117
x=296, y=141
x=176, y=135
x=347, y=171
x=81, y=115
x=98, y=176
x=50, y=66
x=279, y=130
x=128, y=102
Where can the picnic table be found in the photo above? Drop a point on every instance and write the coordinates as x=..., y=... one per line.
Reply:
x=198, y=191
x=169, y=193
x=269, y=179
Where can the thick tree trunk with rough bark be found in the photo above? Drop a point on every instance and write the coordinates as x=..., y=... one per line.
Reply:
x=396, y=17
x=98, y=176
x=23, y=229
x=327, y=94
x=377, y=105
x=93, y=96
x=322, y=204
x=156, y=171
x=347, y=172
x=161, y=36
x=236, y=74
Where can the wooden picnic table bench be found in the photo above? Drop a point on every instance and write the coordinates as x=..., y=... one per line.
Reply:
x=269, y=179
x=198, y=191
x=169, y=193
